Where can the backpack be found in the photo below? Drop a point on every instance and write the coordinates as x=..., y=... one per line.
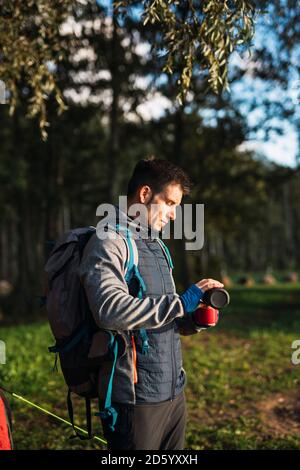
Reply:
x=6, y=442
x=82, y=346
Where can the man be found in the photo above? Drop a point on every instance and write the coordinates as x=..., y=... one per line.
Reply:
x=149, y=380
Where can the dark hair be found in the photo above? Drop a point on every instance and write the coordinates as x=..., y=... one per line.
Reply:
x=156, y=173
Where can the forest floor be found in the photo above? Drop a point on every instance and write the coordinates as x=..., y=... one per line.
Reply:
x=242, y=388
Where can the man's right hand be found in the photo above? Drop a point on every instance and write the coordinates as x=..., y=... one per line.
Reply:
x=206, y=284
x=193, y=295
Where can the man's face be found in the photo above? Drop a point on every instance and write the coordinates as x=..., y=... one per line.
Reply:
x=162, y=206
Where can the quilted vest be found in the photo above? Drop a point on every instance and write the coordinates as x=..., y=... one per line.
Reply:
x=160, y=375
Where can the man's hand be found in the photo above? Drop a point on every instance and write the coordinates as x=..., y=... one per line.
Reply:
x=193, y=295
x=206, y=284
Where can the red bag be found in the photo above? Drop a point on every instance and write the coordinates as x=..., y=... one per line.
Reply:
x=5, y=424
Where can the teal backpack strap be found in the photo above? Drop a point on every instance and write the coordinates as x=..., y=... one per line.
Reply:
x=129, y=263
x=145, y=343
x=132, y=268
x=142, y=285
x=109, y=411
x=143, y=333
x=166, y=252
x=142, y=289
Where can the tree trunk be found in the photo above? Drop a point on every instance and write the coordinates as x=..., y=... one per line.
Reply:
x=183, y=274
x=113, y=138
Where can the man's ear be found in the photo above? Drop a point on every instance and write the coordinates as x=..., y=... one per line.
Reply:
x=145, y=194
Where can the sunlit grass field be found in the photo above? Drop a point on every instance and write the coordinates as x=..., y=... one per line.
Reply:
x=242, y=389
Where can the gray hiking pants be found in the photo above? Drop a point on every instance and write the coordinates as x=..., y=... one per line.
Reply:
x=154, y=426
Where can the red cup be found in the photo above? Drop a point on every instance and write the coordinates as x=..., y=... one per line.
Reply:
x=206, y=316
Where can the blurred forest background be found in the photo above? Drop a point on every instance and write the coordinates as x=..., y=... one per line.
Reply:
x=121, y=107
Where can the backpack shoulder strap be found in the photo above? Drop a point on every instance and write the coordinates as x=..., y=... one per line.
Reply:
x=131, y=269
x=131, y=265
x=132, y=252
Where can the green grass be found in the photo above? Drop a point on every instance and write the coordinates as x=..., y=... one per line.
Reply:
x=233, y=371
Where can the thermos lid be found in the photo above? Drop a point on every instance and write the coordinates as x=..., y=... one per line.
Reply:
x=217, y=298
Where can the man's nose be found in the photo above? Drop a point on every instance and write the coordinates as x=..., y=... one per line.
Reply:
x=172, y=213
